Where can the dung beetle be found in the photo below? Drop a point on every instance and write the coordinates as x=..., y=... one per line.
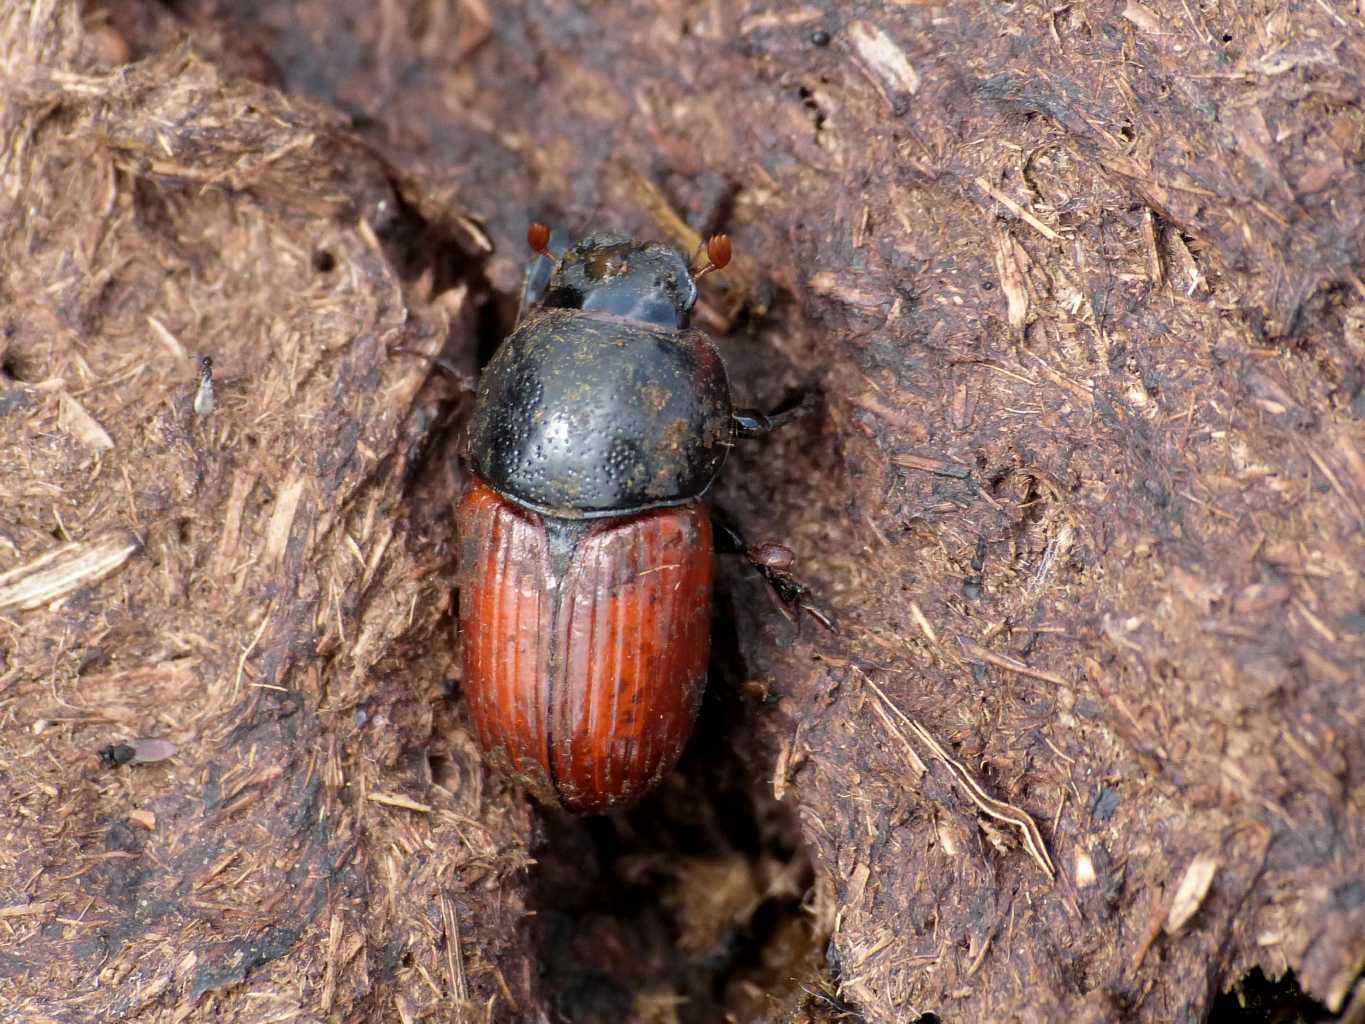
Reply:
x=586, y=555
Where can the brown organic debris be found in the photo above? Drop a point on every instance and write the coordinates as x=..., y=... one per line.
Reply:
x=1080, y=294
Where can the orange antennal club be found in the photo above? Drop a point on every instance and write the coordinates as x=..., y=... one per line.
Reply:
x=719, y=252
x=538, y=238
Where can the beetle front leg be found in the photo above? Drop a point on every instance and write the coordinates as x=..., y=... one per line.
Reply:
x=774, y=562
x=752, y=423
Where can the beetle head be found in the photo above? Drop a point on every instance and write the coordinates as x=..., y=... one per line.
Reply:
x=644, y=281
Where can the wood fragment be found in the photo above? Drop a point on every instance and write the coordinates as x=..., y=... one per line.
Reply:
x=988, y=805
x=229, y=536
x=282, y=519
x=961, y=407
x=145, y=818
x=979, y=957
x=246, y=652
x=779, y=19
x=1334, y=481
x=1085, y=870
x=335, y=930
x=1143, y=17
x=459, y=986
x=1008, y=663
x=925, y=627
x=1355, y=1011
x=828, y=283
x=1156, y=270
x=65, y=569
x=1015, y=208
x=930, y=464
x=1012, y=282
x=674, y=229
x=1189, y=897
x=74, y=419
x=883, y=59
x=1189, y=263
x=915, y=762
x=789, y=760
x=399, y=801
x=1149, y=934
x=163, y=334
x=27, y=909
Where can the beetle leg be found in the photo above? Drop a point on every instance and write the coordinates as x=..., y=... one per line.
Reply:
x=752, y=423
x=791, y=592
x=773, y=561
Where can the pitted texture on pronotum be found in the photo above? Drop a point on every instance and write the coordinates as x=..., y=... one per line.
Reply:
x=584, y=668
x=584, y=415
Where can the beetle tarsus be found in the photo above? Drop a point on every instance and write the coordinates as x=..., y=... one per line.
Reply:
x=819, y=615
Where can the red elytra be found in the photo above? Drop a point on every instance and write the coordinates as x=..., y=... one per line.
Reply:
x=584, y=669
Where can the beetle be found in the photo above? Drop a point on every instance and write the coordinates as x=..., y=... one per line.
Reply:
x=586, y=555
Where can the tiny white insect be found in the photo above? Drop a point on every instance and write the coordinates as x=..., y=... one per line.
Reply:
x=204, y=400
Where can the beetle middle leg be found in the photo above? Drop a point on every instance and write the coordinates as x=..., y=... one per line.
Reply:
x=774, y=562
x=752, y=423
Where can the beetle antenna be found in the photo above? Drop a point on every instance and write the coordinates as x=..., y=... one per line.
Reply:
x=538, y=238
x=719, y=251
